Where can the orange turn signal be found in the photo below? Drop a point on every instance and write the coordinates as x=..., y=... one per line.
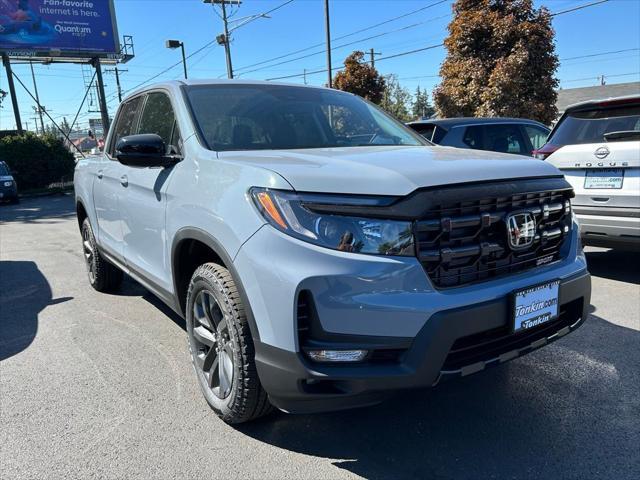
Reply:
x=271, y=210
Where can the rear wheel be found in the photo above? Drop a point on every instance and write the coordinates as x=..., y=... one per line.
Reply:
x=103, y=276
x=222, y=348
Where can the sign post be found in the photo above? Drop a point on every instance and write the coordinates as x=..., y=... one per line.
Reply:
x=104, y=113
x=12, y=92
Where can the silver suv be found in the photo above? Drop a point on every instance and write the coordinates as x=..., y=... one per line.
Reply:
x=596, y=144
x=322, y=254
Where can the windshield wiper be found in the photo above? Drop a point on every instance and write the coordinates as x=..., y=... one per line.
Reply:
x=622, y=135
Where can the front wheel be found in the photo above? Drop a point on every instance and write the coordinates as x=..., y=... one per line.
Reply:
x=222, y=348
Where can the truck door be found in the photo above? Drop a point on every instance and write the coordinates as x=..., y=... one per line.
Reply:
x=144, y=197
x=108, y=185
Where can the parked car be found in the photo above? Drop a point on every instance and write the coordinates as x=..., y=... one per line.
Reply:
x=505, y=135
x=596, y=144
x=8, y=185
x=323, y=256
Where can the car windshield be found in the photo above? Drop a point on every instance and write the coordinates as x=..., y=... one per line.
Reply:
x=591, y=126
x=3, y=169
x=264, y=117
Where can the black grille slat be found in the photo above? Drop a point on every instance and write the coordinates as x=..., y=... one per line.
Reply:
x=463, y=242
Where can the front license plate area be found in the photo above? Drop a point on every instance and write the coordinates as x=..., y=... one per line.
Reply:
x=605, y=178
x=535, y=306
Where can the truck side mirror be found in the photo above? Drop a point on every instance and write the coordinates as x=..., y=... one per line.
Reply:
x=144, y=150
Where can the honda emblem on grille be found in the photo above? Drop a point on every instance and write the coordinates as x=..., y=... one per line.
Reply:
x=521, y=230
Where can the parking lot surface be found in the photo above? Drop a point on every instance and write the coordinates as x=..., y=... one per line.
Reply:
x=101, y=386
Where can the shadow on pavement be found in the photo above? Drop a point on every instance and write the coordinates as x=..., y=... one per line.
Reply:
x=24, y=293
x=131, y=288
x=615, y=265
x=558, y=413
x=47, y=209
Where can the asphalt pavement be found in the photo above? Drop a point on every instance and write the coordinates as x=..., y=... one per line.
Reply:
x=101, y=386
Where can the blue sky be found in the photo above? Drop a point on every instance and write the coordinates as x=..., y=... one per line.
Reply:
x=610, y=26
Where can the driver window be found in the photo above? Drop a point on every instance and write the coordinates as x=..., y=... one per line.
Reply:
x=158, y=117
x=125, y=123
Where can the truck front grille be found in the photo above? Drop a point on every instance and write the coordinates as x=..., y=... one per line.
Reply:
x=463, y=240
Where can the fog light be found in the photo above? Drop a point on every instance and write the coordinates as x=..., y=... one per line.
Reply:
x=337, y=355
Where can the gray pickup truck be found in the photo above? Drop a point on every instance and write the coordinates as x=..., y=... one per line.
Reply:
x=323, y=255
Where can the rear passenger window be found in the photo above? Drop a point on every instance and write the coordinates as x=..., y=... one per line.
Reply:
x=473, y=138
x=506, y=139
x=125, y=123
x=158, y=118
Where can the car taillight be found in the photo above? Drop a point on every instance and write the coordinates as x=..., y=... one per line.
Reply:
x=543, y=152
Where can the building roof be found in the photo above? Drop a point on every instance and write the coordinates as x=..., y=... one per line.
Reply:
x=570, y=96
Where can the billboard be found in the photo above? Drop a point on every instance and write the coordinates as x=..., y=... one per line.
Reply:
x=58, y=28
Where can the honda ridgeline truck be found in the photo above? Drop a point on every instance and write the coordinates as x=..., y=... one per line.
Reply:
x=323, y=255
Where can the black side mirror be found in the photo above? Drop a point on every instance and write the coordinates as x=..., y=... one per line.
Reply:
x=145, y=150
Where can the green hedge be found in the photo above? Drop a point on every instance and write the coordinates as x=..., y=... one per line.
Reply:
x=36, y=162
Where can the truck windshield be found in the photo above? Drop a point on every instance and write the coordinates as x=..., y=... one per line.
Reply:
x=265, y=117
x=3, y=170
x=591, y=126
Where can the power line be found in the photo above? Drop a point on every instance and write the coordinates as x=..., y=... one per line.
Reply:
x=360, y=40
x=579, y=7
x=599, y=76
x=401, y=54
x=370, y=27
x=600, y=54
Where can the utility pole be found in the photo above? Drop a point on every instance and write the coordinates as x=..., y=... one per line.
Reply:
x=117, y=71
x=372, y=57
x=39, y=107
x=328, y=30
x=12, y=92
x=224, y=38
x=304, y=75
x=227, y=47
x=104, y=113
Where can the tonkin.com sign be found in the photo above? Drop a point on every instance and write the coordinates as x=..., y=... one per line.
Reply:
x=64, y=28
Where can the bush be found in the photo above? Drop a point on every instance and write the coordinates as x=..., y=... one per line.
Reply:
x=36, y=162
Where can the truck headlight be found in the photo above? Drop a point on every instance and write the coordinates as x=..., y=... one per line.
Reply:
x=289, y=212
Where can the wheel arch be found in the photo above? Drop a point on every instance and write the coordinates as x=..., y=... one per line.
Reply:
x=191, y=247
x=81, y=212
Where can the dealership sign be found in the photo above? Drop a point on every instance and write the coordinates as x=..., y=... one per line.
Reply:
x=58, y=28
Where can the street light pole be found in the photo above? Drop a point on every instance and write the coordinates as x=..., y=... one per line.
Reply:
x=328, y=29
x=175, y=44
x=184, y=60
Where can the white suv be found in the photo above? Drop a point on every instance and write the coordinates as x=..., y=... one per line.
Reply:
x=596, y=144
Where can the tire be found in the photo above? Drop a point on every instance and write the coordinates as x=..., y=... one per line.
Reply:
x=103, y=276
x=221, y=347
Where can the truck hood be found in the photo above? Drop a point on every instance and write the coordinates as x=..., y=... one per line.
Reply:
x=393, y=170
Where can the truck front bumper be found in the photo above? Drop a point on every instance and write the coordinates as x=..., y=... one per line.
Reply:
x=451, y=343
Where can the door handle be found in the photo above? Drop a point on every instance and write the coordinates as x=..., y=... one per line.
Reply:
x=124, y=180
x=100, y=174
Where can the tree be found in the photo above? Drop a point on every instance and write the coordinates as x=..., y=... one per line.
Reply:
x=421, y=107
x=501, y=62
x=396, y=99
x=360, y=78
